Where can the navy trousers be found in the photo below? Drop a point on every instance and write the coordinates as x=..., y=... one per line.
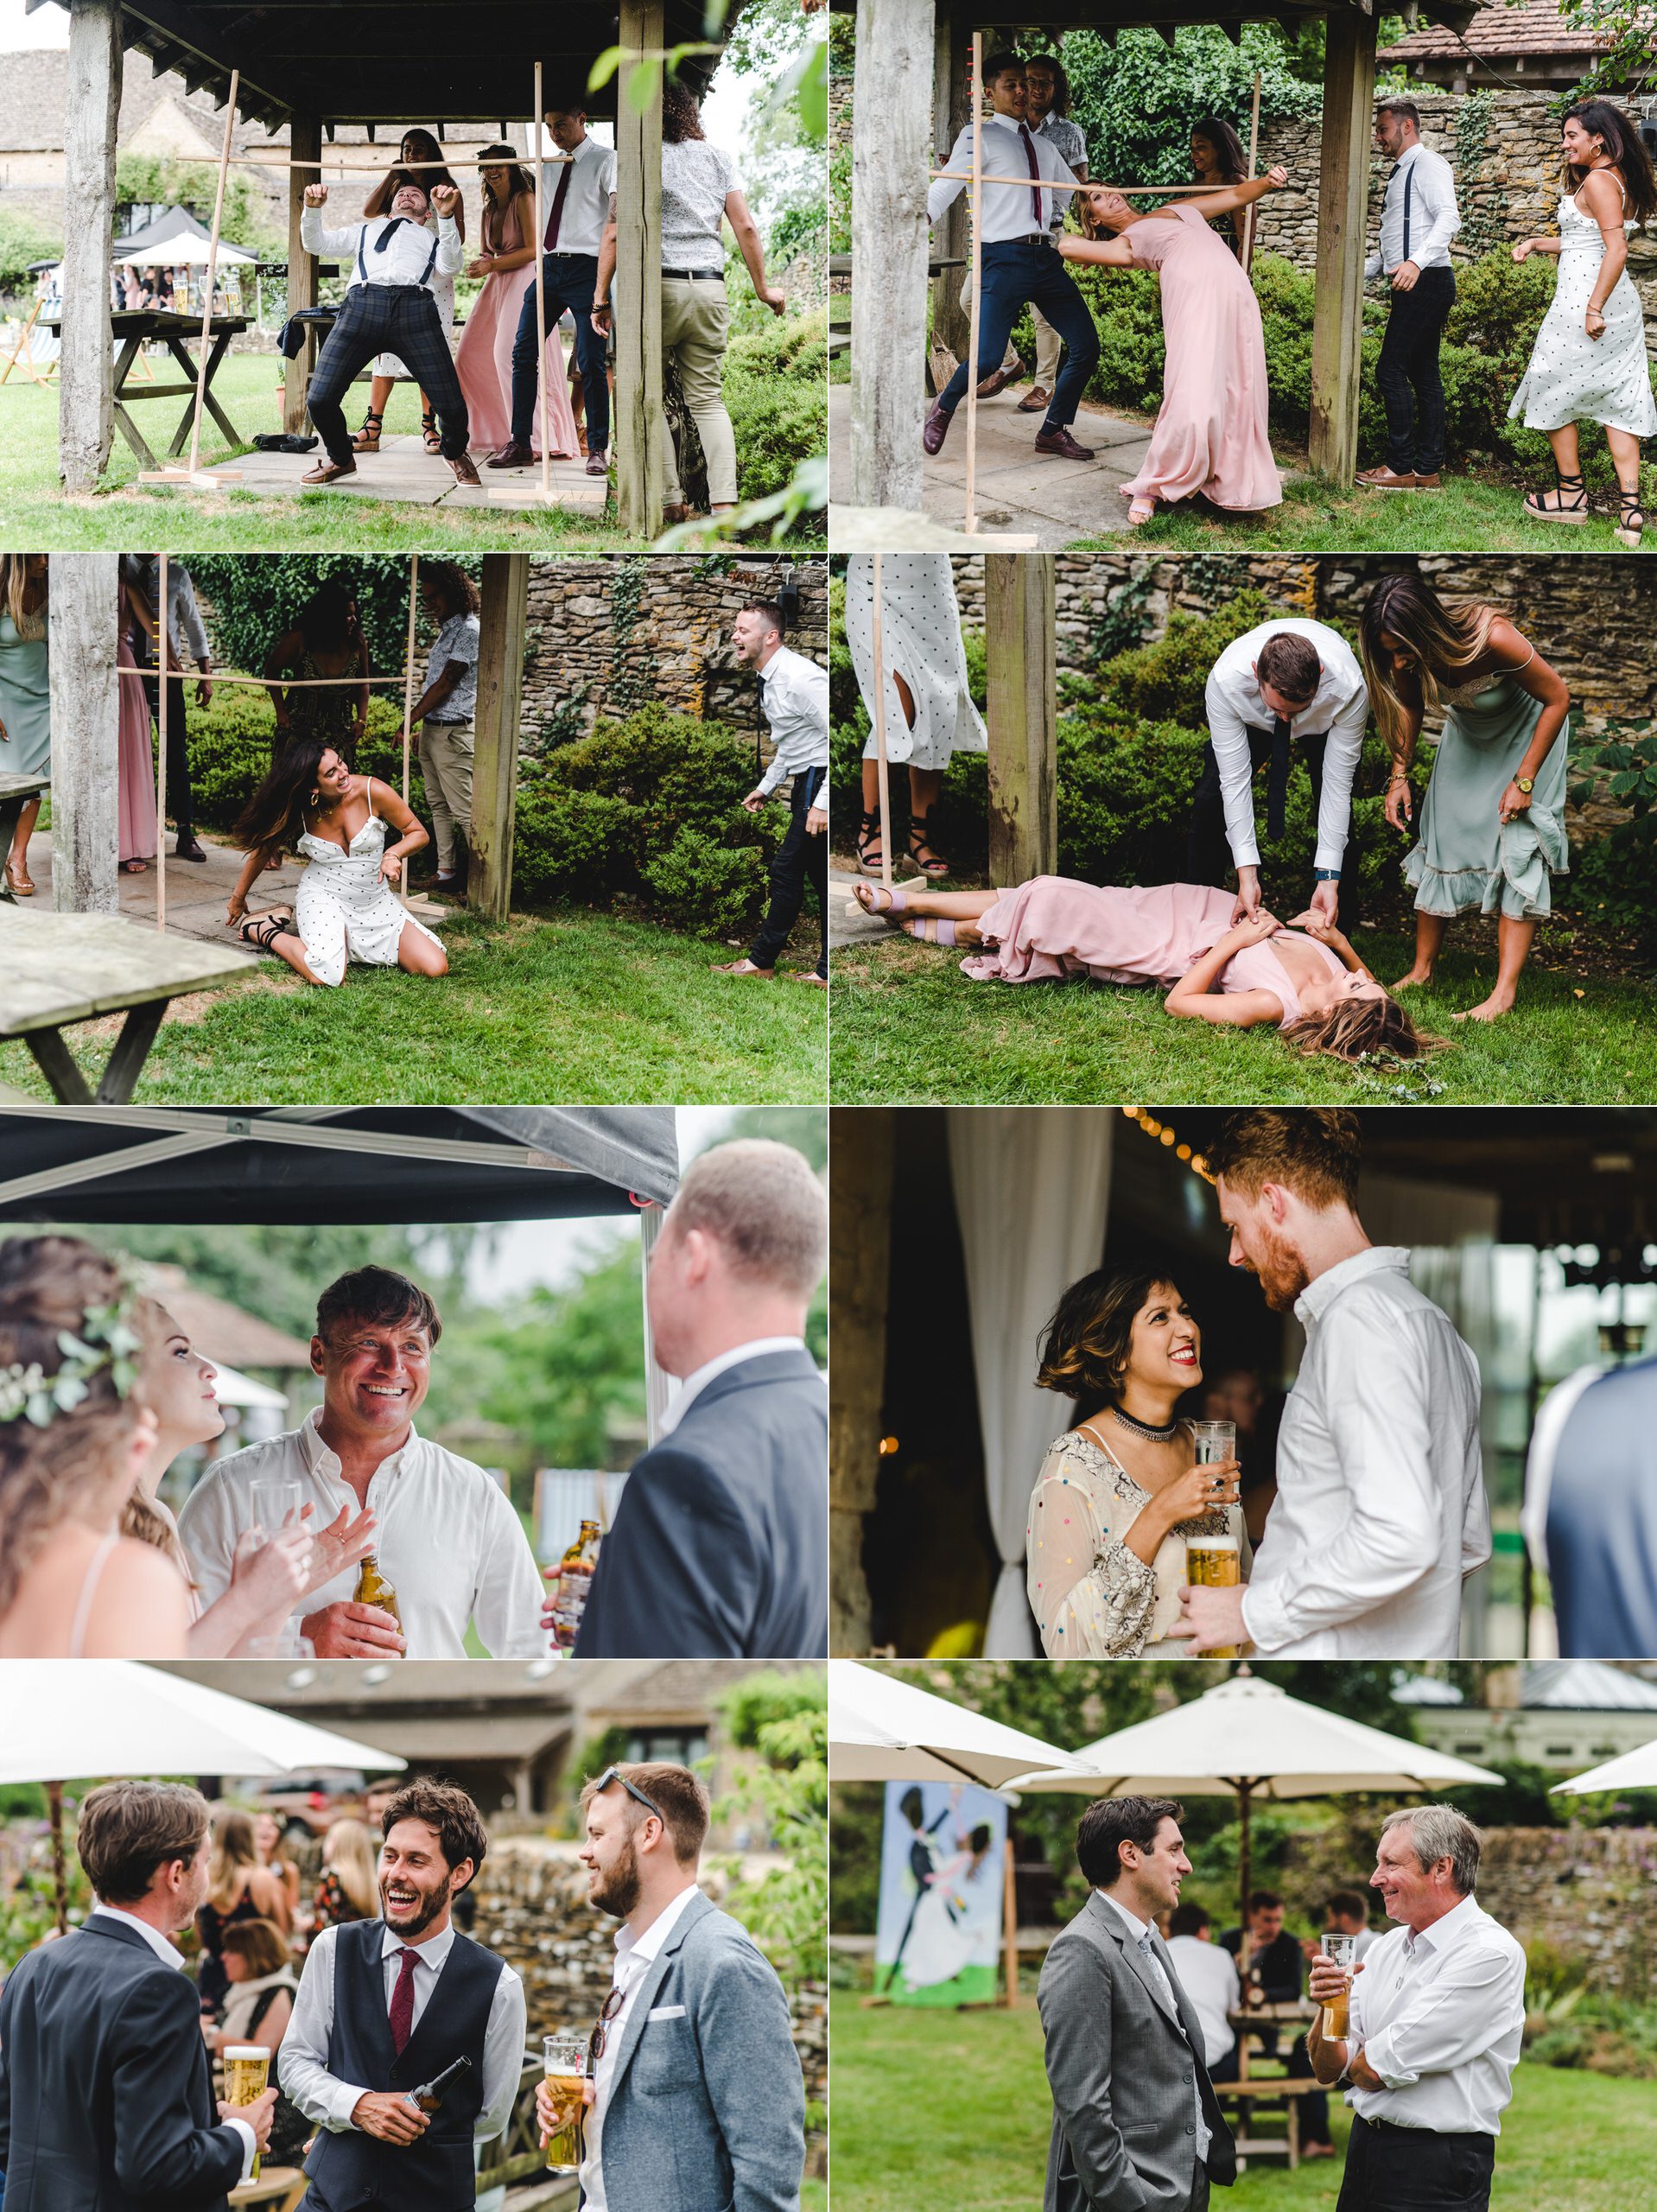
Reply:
x=400, y=319
x=570, y=280
x=1407, y=376
x=799, y=858
x=1030, y=272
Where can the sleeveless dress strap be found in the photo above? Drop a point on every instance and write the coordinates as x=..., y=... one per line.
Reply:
x=89, y=1591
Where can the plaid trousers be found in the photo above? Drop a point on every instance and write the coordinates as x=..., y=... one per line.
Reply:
x=400, y=319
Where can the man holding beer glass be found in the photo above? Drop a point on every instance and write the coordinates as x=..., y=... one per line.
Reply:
x=694, y=2097
x=1434, y=2017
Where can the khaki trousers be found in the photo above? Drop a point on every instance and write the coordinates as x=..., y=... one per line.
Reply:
x=693, y=321
x=445, y=763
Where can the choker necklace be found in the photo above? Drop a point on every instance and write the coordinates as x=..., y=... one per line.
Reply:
x=1143, y=1427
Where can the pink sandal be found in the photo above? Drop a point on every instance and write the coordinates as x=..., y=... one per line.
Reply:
x=897, y=899
x=931, y=929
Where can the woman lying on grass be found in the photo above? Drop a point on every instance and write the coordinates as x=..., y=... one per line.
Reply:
x=1306, y=980
x=311, y=804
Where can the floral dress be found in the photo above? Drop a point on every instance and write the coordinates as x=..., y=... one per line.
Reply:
x=1092, y=1597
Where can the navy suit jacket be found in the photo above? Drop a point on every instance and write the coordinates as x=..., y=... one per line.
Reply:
x=106, y=2100
x=1602, y=1518
x=719, y=1548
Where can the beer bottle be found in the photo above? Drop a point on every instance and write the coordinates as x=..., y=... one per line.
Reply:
x=575, y=1572
x=429, y=2096
x=374, y=1589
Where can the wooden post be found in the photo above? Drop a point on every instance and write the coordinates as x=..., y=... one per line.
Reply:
x=84, y=625
x=305, y=145
x=541, y=370
x=87, y=383
x=1342, y=208
x=860, y=1245
x=1251, y=214
x=951, y=71
x=494, y=761
x=892, y=91
x=1019, y=612
x=882, y=766
x=164, y=640
x=641, y=483
x=408, y=695
x=1010, y=1921
x=975, y=213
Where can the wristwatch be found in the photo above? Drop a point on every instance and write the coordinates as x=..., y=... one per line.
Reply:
x=1331, y=874
x=1525, y=784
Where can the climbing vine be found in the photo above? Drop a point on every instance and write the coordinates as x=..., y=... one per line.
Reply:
x=1482, y=228
x=632, y=676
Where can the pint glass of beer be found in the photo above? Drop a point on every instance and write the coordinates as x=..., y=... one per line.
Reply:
x=564, y=2065
x=1341, y=1951
x=247, y=2070
x=1214, y=1563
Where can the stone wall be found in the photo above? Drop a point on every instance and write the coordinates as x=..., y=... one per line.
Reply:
x=1588, y=1893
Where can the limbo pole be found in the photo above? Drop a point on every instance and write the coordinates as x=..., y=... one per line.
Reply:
x=541, y=370
x=1251, y=213
x=189, y=474
x=162, y=621
x=882, y=769
x=976, y=191
x=1126, y=191
x=408, y=691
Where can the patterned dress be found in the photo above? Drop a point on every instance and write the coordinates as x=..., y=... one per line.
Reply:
x=1572, y=377
x=346, y=910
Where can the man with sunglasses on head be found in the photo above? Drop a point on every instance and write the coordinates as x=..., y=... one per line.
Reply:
x=695, y=2102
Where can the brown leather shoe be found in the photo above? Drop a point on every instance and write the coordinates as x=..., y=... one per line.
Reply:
x=598, y=464
x=1386, y=480
x=1062, y=443
x=991, y=386
x=936, y=429
x=326, y=471
x=1434, y=483
x=465, y=469
x=1036, y=401
x=513, y=455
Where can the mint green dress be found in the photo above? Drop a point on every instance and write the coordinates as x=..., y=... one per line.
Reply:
x=25, y=696
x=1467, y=857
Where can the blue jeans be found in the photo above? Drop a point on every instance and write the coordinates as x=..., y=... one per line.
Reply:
x=1030, y=272
x=570, y=279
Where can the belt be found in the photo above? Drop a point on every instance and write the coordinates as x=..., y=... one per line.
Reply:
x=389, y=288
x=448, y=721
x=697, y=276
x=554, y=254
x=1443, y=2134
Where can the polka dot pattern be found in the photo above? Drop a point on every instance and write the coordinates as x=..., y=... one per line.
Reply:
x=1571, y=377
x=920, y=635
x=346, y=910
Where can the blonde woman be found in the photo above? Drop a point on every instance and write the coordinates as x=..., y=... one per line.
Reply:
x=1492, y=833
x=238, y=1889
x=349, y=1889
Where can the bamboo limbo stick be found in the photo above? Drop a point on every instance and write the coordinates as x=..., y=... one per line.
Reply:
x=1128, y=191
x=286, y=684
x=1253, y=160
x=364, y=169
x=171, y=475
x=882, y=772
x=408, y=679
x=976, y=189
x=161, y=613
x=541, y=303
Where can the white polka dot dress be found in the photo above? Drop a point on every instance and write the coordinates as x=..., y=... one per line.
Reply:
x=1572, y=377
x=346, y=910
x=920, y=639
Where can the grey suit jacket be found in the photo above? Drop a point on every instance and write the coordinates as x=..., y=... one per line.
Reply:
x=1120, y=2066
x=705, y=2109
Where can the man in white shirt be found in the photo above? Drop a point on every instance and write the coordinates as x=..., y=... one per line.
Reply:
x=1289, y=682
x=575, y=195
x=1381, y=1510
x=444, y=1532
x=364, y=2034
x=1019, y=263
x=1419, y=218
x=388, y=309
x=794, y=690
x=1048, y=116
x=1207, y=1974
x=1436, y=2019
x=720, y=1546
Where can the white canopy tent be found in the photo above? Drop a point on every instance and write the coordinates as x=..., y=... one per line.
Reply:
x=1635, y=1769
x=881, y=1729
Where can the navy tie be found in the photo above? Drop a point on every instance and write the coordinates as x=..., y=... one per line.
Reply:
x=1277, y=787
x=384, y=238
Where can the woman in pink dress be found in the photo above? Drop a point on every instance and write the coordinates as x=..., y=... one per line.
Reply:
x=483, y=358
x=1210, y=432
x=135, y=778
x=1306, y=980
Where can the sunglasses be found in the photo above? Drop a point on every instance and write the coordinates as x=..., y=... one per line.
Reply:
x=614, y=1774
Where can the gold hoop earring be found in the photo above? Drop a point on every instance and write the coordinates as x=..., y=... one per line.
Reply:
x=315, y=799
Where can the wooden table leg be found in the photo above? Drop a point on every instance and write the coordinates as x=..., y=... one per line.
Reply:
x=220, y=346
x=131, y=1051
x=1294, y=2132
x=130, y=430
x=180, y=354
x=56, y=1062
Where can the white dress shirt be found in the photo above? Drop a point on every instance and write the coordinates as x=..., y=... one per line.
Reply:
x=794, y=692
x=633, y=1956
x=408, y=249
x=1340, y=706
x=1207, y=1974
x=1006, y=211
x=1434, y=217
x=1380, y=1507
x=303, y=2062
x=169, y=1955
x=699, y=1377
x=592, y=173
x=1137, y=1931
x=184, y=634
x=448, y=1539
x=1441, y=2021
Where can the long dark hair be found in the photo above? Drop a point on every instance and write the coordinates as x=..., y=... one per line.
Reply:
x=274, y=816
x=504, y=158
x=1622, y=142
x=328, y=621
x=1228, y=147
x=417, y=146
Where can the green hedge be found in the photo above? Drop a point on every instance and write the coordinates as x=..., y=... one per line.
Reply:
x=775, y=389
x=255, y=596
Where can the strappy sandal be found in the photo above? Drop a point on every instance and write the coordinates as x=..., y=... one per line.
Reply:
x=870, y=844
x=867, y=893
x=263, y=930
x=919, y=842
x=931, y=930
x=1537, y=507
x=1630, y=521
x=429, y=430
x=367, y=440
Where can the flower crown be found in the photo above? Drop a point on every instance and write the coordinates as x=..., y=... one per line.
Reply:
x=106, y=1338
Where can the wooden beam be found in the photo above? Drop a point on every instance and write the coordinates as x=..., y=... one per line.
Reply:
x=641, y=485
x=501, y=635
x=892, y=99
x=1343, y=211
x=1018, y=621
x=87, y=383
x=305, y=145
x=950, y=74
x=84, y=622
x=860, y=1244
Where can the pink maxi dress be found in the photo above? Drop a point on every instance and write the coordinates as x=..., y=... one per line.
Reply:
x=1054, y=926
x=1210, y=434
x=483, y=358
x=136, y=775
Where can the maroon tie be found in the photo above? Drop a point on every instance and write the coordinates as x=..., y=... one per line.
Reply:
x=1035, y=171
x=402, y=2001
x=550, y=242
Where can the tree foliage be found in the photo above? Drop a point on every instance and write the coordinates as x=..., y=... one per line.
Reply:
x=783, y=1720
x=255, y=596
x=163, y=178
x=1136, y=101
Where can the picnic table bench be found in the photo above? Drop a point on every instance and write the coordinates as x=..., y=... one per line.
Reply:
x=57, y=970
x=16, y=793
x=1250, y=2089
x=137, y=328
x=278, y=2188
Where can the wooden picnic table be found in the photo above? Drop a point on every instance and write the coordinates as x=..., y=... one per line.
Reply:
x=16, y=793
x=137, y=328
x=57, y=970
x=1249, y=2025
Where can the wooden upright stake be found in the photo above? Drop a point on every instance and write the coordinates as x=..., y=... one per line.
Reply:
x=950, y=70
x=641, y=481
x=892, y=154
x=92, y=94
x=1342, y=213
x=541, y=299
x=162, y=641
x=494, y=764
x=305, y=134
x=976, y=218
x=860, y=1244
x=1250, y=215
x=1018, y=618
x=192, y=471
x=878, y=644
x=408, y=695
x=84, y=619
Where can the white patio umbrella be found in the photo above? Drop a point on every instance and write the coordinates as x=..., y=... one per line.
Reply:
x=178, y=247
x=79, y=1720
x=884, y=1730
x=1250, y=1738
x=1635, y=1769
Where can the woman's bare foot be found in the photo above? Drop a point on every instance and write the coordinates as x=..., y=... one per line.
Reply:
x=1490, y=1009
x=1417, y=980
x=1141, y=512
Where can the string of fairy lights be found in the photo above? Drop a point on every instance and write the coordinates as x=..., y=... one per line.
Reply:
x=1165, y=1133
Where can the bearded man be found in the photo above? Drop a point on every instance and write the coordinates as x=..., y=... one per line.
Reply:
x=365, y=2032
x=1381, y=1510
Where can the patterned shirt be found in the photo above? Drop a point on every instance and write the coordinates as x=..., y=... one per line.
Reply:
x=696, y=178
x=456, y=641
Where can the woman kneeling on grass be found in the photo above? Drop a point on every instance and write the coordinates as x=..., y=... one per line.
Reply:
x=311, y=804
x=1306, y=980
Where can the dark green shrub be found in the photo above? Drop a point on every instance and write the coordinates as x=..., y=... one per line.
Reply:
x=255, y=597
x=700, y=885
x=231, y=744
x=775, y=389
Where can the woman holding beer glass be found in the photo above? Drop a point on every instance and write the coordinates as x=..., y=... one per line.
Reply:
x=1121, y=1496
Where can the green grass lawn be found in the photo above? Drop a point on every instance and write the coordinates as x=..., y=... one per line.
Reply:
x=948, y=2111
x=907, y=1025
x=607, y=1009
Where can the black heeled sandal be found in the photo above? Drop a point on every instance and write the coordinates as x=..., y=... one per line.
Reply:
x=429, y=430
x=1536, y=502
x=263, y=930
x=1630, y=521
x=920, y=842
x=367, y=440
x=870, y=845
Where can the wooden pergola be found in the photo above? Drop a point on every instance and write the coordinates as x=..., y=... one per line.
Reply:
x=313, y=64
x=910, y=95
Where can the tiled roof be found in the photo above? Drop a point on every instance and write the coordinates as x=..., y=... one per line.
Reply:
x=1536, y=27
